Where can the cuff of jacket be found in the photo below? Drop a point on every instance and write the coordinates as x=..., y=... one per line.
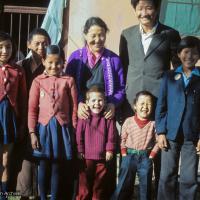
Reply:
x=152, y=154
x=160, y=131
x=31, y=130
x=123, y=151
x=80, y=149
x=110, y=147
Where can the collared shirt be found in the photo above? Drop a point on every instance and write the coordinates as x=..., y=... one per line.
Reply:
x=93, y=59
x=147, y=37
x=30, y=75
x=186, y=79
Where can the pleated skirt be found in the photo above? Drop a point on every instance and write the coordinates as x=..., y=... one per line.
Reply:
x=8, y=123
x=55, y=141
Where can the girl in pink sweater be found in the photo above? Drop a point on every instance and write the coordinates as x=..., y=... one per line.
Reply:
x=52, y=110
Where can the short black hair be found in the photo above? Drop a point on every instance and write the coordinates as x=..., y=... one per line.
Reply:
x=55, y=49
x=95, y=88
x=156, y=3
x=94, y=21
x=143, y=93
x=189, y=42
x=39, y=31
x=5, y=36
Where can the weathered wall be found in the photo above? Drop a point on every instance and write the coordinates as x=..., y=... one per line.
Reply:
x=118, y=14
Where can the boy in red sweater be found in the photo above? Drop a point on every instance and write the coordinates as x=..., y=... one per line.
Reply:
x=96, y=139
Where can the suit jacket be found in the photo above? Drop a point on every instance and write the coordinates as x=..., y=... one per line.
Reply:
x=144, y=72
x=29, y=75
x=178, y=107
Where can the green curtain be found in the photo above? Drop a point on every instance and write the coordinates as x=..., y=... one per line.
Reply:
x=183, y=15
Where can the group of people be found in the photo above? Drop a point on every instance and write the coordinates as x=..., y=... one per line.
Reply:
x=58, y=123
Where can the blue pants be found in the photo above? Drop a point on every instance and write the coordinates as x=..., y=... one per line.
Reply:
x=169, y=172
x=131, y=164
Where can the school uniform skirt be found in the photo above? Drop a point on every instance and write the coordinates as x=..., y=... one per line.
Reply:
x=55, y=141
x=8, y=123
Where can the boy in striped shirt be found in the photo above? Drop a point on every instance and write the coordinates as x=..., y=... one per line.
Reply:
x=138, y=148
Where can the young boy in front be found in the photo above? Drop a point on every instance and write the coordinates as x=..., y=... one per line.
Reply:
x=96, y=141
x=178, y=124
x=138, y=148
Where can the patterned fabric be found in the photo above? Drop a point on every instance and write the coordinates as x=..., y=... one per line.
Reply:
x=112, y=71
x=134, y=137
x=93, y=59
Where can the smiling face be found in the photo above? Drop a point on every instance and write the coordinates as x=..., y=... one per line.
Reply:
x=189, y=57
x=5, y=51
x=96, y=102
x=143, y=107
x=95, y=38
x=38, y=45
x=146, y=13
x=53, y=64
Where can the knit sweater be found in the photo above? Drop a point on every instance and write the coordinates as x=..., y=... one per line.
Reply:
x=95, y=136
x=137, y=138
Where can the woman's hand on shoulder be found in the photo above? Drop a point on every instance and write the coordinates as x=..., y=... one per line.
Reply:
x=110, y=111
x=34, y=141
x=83, y=111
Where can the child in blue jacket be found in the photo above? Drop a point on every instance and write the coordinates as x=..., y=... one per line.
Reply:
x=178, y=124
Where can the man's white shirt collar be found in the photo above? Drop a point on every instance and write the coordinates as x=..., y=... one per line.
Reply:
x=147, y=37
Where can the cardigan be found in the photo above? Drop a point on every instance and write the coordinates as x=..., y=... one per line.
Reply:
x=112, y=70
x=52, y=96
x=13, y=86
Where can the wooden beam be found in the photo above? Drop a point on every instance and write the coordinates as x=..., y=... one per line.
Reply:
x=24, y=9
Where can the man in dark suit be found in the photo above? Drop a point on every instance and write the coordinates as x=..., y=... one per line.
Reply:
x=146, y=51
